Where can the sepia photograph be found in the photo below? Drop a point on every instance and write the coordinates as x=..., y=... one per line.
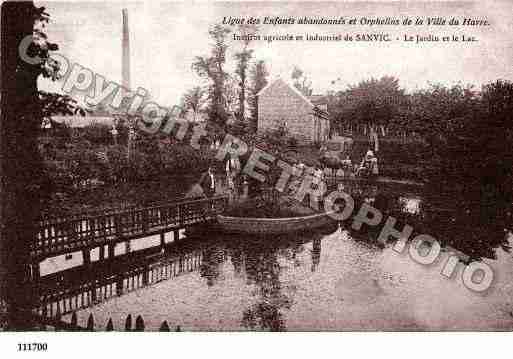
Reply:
x=256, y=167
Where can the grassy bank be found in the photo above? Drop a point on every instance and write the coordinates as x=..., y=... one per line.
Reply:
x=119, y=196
x=397, y=159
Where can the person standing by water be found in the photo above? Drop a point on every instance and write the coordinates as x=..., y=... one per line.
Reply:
x=208, y=183
x=232, y=170
x=374, y=166
x=368, y=157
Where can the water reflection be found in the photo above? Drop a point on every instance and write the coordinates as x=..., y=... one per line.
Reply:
x=318, y=280
x=472, y=228
x=263, y=270
x=213, y=258
x=410, y=205
x=316, y=254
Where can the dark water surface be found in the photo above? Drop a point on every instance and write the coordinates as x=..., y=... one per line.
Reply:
x=330, y=280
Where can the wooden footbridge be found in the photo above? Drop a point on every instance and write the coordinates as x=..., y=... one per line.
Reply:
x=107, y=228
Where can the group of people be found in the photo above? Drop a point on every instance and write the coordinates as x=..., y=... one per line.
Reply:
x=209, y=183
x=369, y=165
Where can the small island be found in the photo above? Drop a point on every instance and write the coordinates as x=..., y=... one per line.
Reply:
x=272, y=215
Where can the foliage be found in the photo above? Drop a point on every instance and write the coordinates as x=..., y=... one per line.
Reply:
x=117, y=165
x=242, y=63
x=75, y=166
x=276, y=138
x=87, y=159
x=56, y=104
x=466, y=136
x=194, y=99
x=211, y=67
x=231, y=98
x=372, y=102
x=238, y=128
x=97, y=134
x=301, y=81
x=258, y=77
x=262, y=209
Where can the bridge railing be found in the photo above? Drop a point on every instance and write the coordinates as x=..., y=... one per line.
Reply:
x=83, y=290
x=82, y=231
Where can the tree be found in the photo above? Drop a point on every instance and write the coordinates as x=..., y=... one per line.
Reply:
x=212, y=67
x=493, y=145
x=301, y=81
x=21, y=165
x=231, y=98
x=242, y=58
x=56, y=104
x=193, y=99
x=258, y=78
x=373, y=102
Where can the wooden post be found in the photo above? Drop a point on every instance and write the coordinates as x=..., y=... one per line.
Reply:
x=110, y=326
x=164, y=327
x=93, y=290
x=101, y=255
x=128, y=323
x=45, y=310
x=118, y=227
x=90, y=323
x=145, y=219
x=36, y=273
x=57, y=318
x=180, y=213
x=86, y=256
x=139, y=324
x=111, y=250
x=119, y=285
x=145, y=276
x=74, y=320
x=162, y=240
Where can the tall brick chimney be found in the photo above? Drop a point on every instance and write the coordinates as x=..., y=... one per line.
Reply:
x=125, y=69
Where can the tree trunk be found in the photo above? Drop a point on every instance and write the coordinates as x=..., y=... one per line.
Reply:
x=19, y=163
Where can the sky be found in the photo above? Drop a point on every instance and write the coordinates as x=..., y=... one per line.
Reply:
x=166, y=36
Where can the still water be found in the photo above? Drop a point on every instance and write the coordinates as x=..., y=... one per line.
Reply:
x=330, y=280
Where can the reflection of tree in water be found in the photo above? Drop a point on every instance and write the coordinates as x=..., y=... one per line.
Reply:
x=212, y=258
x=262, y=267
x=316, y=254
x=291, y=253
x=475, y=228
x=237, y=259
x=263, y=270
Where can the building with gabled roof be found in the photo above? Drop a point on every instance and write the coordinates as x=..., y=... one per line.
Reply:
x=281, y=104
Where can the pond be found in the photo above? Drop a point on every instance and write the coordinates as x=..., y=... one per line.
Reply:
x=337, y=279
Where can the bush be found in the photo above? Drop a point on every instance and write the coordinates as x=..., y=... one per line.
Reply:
x=97, y=134
x=75, y=166
x=117, y=165
x=292, y=142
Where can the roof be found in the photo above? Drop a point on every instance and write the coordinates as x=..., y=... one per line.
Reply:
x=321, y=113
x=292, y=87
x=83, y=121
x=318, y=99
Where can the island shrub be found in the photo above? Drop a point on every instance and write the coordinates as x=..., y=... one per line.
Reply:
x=256, y=208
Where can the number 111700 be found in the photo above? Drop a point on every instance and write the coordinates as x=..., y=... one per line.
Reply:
x=32, y=347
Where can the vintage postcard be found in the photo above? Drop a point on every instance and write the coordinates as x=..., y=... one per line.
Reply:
x=256, y=166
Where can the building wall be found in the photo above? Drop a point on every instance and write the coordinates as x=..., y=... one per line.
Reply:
x=279, y=104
